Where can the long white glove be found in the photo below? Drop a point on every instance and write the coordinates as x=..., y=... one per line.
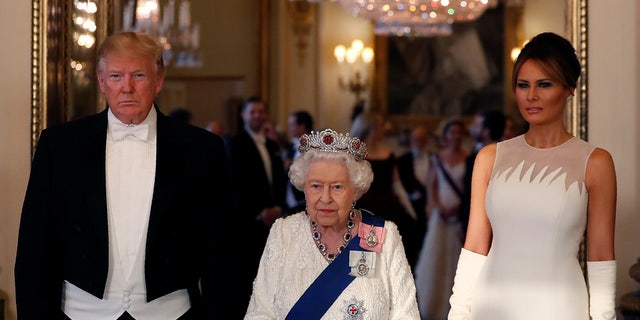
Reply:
x=469, y=266
x=602, y=289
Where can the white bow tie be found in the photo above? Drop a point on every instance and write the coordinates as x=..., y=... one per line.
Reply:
x=119, y=131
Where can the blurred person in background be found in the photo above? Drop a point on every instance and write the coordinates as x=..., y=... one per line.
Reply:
x=413, y=168
x=299, y=123
x=487, y=127
x=258, y=184
x=386, y=194
x=436, y=266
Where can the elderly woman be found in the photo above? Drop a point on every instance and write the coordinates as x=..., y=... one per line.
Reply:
x=333, y=261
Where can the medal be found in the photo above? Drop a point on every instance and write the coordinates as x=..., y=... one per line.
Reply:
x=372, y=239
x=362, y=267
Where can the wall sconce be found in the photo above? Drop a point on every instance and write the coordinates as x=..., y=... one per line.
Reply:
x=357, y=58
x=515, y=51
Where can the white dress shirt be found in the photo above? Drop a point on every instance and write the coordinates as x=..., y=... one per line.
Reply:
x=261, y=143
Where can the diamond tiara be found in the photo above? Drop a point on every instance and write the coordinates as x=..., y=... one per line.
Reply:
x=330, y=141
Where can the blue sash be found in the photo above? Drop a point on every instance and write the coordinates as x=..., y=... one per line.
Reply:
x=326, y=288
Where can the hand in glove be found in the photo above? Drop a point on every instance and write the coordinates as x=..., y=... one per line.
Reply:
x=602, y=289
x=469, y=266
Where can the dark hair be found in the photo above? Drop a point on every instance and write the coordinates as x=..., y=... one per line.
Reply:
x=181, y=114
x=250, y=100
x=358, y=108
x=555, y=55
x=304, y=118
x=495, y=121
x=452, y=122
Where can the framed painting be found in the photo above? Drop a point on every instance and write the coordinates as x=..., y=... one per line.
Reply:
x=422, y=80
x=426, y=79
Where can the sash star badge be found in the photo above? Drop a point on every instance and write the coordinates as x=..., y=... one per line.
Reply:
x=354, y=309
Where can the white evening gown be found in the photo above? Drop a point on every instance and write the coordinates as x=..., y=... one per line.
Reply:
x=536, y=202
x=291, y=262
x=436, y=265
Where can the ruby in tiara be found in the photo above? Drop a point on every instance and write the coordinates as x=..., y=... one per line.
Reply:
x=329, y=140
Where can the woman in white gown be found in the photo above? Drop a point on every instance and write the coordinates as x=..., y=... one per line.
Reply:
x=333, y=261
x=436, y=265
x=533, y=197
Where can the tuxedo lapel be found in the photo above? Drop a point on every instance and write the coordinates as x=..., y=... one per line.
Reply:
x=167, y=160
x=94, y=175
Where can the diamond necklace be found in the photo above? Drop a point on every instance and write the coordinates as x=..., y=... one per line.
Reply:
x=316, y=235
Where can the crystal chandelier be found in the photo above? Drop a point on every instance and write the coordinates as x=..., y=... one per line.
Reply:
x=417, y=17
x=180, y=42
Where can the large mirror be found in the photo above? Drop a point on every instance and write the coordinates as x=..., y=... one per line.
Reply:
x=63, y=85
x=421, y=80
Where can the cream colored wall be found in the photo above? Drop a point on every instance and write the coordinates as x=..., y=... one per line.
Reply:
x=614, y=101
x=15, y=84
x=552, y=11
x=614, y=115
x=338, y=27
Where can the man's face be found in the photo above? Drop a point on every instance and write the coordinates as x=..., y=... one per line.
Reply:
x=254, y=116
x=419, y=138
x=295, y=130
x=476, y=129
x=130, y=84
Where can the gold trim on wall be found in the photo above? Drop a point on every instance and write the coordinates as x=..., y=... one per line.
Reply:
x=301, y=13
x=577, y=112
x=50, y=57
x=38, y=60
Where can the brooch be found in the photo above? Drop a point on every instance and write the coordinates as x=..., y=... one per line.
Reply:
x=362, y=263
x=354, y=309
x=362, y=267
x=371, y=237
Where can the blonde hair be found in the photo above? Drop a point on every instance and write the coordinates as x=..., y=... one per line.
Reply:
x=131, y=43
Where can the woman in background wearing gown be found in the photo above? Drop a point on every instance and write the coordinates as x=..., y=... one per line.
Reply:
x=386, y=194
x=438, y=257
x=532, y=199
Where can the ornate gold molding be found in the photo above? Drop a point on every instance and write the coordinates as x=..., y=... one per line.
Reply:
x=577, y=117
x=38, y=61
x=301, y=13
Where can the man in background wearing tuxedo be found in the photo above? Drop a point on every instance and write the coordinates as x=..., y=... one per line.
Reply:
x=300, y=122
x=258, y=185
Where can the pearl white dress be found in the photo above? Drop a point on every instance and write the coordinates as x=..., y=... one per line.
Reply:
x=291, y=262
x=537, y=203
x=438, y=258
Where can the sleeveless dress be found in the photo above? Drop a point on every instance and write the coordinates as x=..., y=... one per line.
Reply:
x=536, y=202
x=438, y=258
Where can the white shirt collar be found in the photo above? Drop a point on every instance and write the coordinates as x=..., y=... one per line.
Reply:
x=150, y=121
